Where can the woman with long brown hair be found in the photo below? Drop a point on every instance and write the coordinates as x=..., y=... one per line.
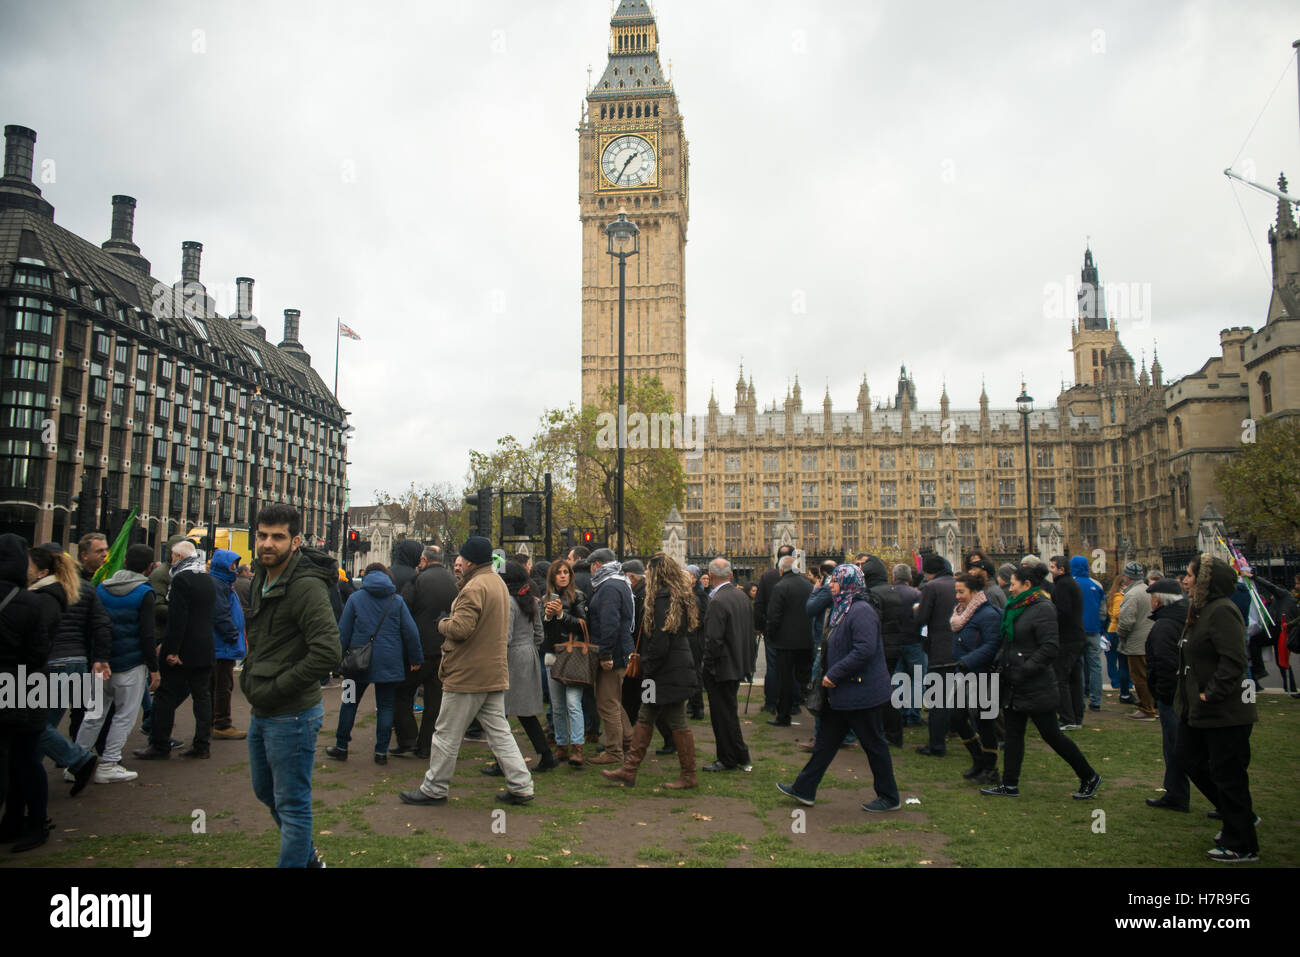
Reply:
x=565, y=612
x=667, y=669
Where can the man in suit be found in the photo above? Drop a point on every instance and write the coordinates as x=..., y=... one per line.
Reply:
x=789, y=635
x=187, y=655
x=728, y=657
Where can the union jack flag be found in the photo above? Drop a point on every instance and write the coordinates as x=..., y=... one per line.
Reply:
x=345, y=330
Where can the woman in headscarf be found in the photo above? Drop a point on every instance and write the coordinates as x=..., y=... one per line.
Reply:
x=1214, y=716
x=667, y=669
x=858, y=690
x=1029, y=645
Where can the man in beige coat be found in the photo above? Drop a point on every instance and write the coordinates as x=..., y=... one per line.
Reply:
x=474, y=676
x=1132, y=629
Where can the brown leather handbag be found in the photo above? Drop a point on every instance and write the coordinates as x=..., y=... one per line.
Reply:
x=576, y=662
x=634, y=659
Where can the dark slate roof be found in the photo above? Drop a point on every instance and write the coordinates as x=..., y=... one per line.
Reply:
x=631, y=67
x=633, y=10
x=26, y=234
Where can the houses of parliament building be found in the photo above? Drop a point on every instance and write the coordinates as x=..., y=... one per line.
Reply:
x=1122, y=459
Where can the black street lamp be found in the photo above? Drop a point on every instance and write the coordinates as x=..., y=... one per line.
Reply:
x=624, y=241
x=1025, y=405
x=256, y=407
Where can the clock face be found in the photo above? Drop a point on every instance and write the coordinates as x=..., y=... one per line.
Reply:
x=628, y=161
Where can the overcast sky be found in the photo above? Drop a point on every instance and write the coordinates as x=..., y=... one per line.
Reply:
x=922, y=177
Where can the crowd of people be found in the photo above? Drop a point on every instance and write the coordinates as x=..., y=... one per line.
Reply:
x=593, y=656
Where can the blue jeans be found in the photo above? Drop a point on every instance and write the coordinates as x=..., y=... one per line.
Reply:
x=909, y=656
x=1092, y=669
x=281, y=750
x=385, y=694
x=64, y=753
x=1117, y=665
x=566, y=713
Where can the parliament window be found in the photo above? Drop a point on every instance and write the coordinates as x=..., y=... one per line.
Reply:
x=771, y=495
x=928, y=493
x=967, y=528
x=811, y=541
x=848, y=495
x=808, y=461
x=771, y=461
x=1084, y=457
x=889, y=532
x=695, y=496
x=1006, y=459
x=731, y=495
x=849, y=460
x=889, y=495
x=1047, y=491
x=849, y=534
x=732, y=530
x=732, y=463
x=966, y=459
x=887, y=459
x=694, y=464
x=1006, y=491
x=966, y=493
x=808, y=492
x=1044, y=458
x=925, y=459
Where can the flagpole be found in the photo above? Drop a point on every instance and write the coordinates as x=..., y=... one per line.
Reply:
x=337, y=320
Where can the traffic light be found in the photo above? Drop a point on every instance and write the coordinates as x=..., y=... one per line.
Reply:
x=353, y=542
x=566, y=536
x=332, y=536
x=473, y=513
x=532, y=513
x=588, y=538
x=83, y=510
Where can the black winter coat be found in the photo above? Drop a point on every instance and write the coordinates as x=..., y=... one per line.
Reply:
x=1025, y=662
x=568, y=627
x=666, y=658
x=28, y=624
x=890, y=606
x=1212, y=657
x=788, y=626
x=406, y=555
x=429, y=596
x=1068, y=599
x=85, y=630
x=1162, y=650
x=190, y=611
x=938, y=599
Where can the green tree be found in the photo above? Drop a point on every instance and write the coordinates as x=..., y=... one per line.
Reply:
x=1261, y=484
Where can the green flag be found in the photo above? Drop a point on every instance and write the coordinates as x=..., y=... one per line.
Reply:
x=116, y=554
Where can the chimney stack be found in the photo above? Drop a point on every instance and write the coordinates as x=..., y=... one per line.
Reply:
x=121, y=244
x=123, y=218
x=16, y=188
x=292, y=319
x=244, y=297
x=20, y=150
x=291, y=346
x=191, y=252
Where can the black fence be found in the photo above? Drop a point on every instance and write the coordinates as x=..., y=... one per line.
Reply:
x=1279, y=565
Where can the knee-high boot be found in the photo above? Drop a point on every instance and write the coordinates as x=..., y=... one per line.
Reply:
x=685, y=742
x=988, y=773
x=642, y=735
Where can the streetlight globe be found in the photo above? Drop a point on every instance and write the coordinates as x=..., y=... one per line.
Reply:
x=1025, y=401
x=622, y=233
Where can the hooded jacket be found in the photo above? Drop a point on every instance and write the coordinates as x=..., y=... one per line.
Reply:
x=406, y=555
x=875, y=578
x=293, y=639
x=128, y=599
x=27, y=630
x=376, y=609
x=227, y=612
x=1212, y=654
x=1091, y=592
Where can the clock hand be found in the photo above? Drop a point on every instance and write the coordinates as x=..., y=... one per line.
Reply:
x=625, y=166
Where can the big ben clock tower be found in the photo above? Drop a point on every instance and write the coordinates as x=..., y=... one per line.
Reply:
x=632, y=155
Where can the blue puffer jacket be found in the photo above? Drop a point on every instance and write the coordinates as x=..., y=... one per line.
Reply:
x=227, y=612
x=855, y=660
x=1093, y=595
x=815, y=608
x=977, y=643
x=361, y=618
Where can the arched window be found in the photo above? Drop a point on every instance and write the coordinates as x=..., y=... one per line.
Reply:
x=1178, y=431
x=1266, y=391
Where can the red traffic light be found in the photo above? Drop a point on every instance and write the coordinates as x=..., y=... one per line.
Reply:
x=354, y=536
x=588, y=538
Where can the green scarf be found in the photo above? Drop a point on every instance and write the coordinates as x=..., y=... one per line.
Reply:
x=1016, y=607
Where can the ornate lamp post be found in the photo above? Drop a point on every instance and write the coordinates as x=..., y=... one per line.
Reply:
x=624, y=241
x=1025, y=405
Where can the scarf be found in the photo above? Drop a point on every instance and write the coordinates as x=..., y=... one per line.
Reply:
x=851, y=585
x=607, y=571
x=962, y=613
x=194, y=563
x=1016, y=607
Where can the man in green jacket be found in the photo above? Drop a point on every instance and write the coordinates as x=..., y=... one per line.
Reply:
x=293, y=642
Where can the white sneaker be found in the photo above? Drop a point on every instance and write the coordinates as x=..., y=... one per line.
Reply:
x=109, y=773
x=69, y=776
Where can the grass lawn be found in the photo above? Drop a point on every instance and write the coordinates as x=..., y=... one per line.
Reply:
x=731, y=820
